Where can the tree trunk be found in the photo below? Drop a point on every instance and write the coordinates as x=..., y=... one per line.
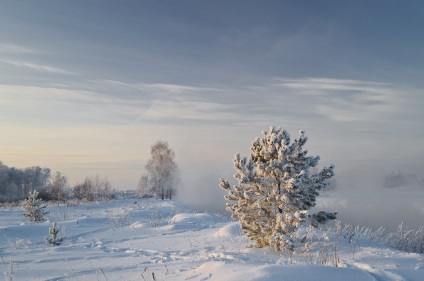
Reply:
x=279, y=192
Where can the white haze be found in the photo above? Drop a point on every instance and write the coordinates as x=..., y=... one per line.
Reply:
x=200, y=189
x=358, y=196
x=361, y=199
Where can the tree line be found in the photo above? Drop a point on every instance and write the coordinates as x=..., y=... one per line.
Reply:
x=160, y=179
x=16, y=184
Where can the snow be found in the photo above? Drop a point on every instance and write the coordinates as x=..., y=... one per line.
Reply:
x=148, y=239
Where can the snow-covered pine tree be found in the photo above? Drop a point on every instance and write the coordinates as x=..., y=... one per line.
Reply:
x=54, y=240
x=275, y=190
x=34, y=209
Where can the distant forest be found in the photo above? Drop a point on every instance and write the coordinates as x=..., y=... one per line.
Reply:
x=16, y=184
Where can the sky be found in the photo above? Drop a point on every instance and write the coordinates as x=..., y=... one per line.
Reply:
x=86, y=87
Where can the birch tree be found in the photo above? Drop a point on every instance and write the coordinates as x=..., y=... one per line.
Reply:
x=162, y=171
x=59, y=187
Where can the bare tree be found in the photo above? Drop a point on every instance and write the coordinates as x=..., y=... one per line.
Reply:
x=162, y=170
x=88, y=189
x=58, y=187
x=93, y=188
x=107, y=189
x=78, y=191
x=15, y=183
x=36, y=178
x=4, y=182
x=143, y=185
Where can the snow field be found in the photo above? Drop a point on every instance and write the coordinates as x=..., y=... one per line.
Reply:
x=148, y=239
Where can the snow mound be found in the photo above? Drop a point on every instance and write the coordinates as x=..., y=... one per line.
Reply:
x=227, y=272
x=230, y=230
x=138, y=224
x=196, y=218
x=194, y=221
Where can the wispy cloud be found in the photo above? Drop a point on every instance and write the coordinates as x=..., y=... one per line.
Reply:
x=330, y=84
x=36, y=94
x=37, y=67
x=305, y=100
x=297, y=101
x=16, y=49
x=171, y=88
x=154, y=89
x=165, y=102
x=189, y=110
x=345, y=100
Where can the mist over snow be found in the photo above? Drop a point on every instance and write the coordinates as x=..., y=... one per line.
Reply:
x=361, y=199
x=357, y=194
x=199, y=188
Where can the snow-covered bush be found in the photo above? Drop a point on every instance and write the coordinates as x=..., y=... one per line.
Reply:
x=157, y=217
x=352, y=232
x=404, y=239
x=119, y=217
x=34, y=209
x=275, y=189
x=407, y=240
x=18, y=243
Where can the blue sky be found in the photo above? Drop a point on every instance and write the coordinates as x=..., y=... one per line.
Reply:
x=87, y=87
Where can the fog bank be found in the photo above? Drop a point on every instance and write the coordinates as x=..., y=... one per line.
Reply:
x=357, y=195
x=361, y=198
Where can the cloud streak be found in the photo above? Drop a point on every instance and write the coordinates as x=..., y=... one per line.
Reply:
x=308, y=100
x=37, y=67
x=346, y=100
x=16, y=49
x=303, y=100
x=189, y=110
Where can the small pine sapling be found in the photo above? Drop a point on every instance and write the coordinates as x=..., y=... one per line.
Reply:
x=275, y=189
x=54, y=240
x=34, y=209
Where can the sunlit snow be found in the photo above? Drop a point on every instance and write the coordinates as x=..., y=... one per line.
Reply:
x=148, y=239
